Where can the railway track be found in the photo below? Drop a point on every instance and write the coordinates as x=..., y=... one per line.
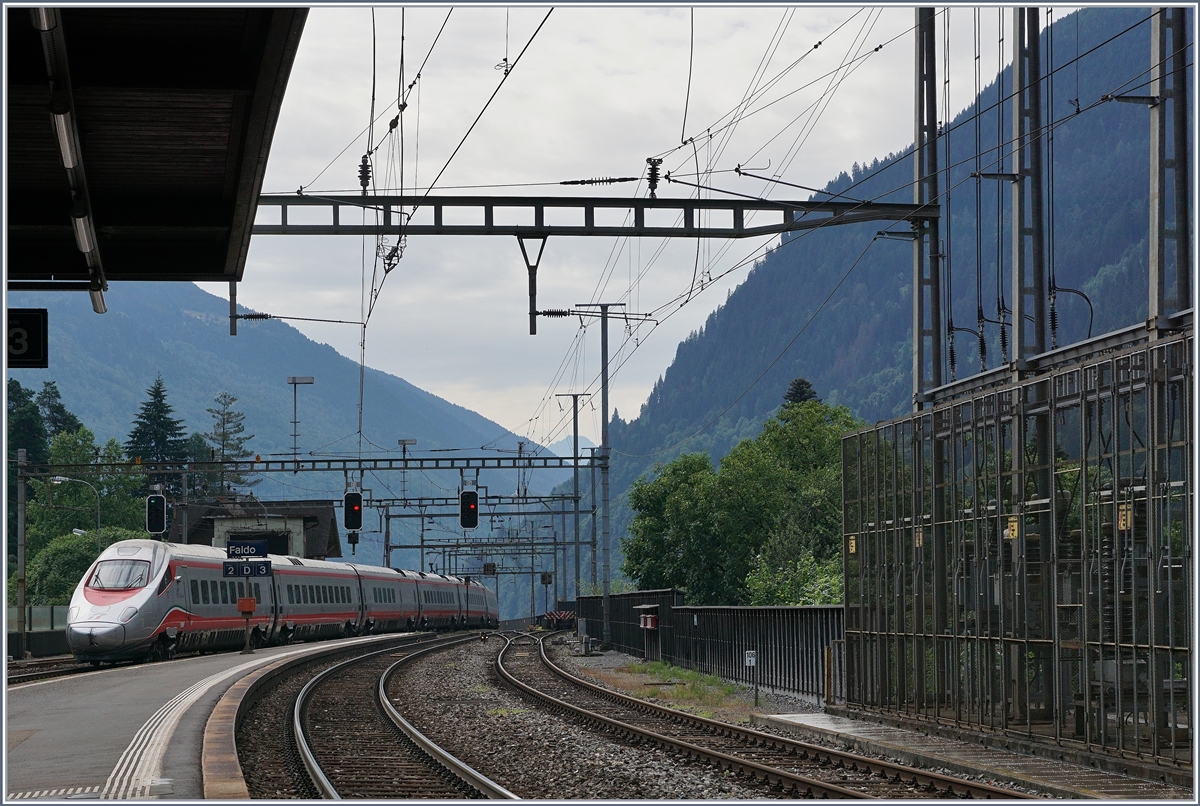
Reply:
x=29, y=671
x=791, y=766
x=354, y=743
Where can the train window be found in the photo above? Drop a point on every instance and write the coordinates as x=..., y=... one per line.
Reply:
x=312, y=594
x=342, y=595
x=241, y=590
x=120, y=574
x=195, y=592
x=326, y=598
x=204, y=591
x=291, y=598
x=213, y=586
x=224, y=592
x=303, y=594
x=257, y=593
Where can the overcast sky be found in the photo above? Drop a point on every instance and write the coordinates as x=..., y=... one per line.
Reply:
x=597, y=92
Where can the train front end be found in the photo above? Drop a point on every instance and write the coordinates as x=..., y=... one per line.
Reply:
x=113, y=614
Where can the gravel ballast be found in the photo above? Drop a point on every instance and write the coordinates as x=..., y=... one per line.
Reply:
x=456, y=700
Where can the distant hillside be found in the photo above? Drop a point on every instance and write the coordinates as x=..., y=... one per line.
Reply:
x=103, y=366
x=857, y=349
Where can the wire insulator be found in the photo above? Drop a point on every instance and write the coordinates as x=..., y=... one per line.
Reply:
x=982, y=347
x=652, y=175
x=556, y=313
x=953, y=360
x=364, y=173
x=1003, y=343
x=1053, y=322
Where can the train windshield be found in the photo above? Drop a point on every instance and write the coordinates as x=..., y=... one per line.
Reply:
x=120, y=574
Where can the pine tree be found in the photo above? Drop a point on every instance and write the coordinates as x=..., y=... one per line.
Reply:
x=156, y=435
x=799, y=390
x=54, y=413
x=229, y=439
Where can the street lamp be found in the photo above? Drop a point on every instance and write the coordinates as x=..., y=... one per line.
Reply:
x=60, y=480
x=295, y=380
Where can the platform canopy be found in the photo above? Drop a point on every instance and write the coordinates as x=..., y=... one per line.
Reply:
x=138, y=139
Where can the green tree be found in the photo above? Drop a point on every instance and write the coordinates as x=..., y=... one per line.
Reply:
x=27, y=430
x=56, y=509
x=734, y=536
x=229, y=439
x=54, y=413
x=799, y=391
x=157, y=436
x=671, y=536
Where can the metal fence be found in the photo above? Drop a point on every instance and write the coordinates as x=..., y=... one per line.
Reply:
x=38, y=619
x=799, y=650
x=1020, y=561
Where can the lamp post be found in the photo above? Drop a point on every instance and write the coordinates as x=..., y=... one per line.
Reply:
x=60, y=480
x=295, y=380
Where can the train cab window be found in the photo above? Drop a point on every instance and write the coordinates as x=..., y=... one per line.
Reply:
x=120, y=575
x=195, y=592
x=257, y=593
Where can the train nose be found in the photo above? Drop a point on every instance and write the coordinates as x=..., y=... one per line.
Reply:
x=95, y=636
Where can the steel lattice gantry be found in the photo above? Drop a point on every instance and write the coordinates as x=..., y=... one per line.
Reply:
x=526, y=216
x=1045, y=593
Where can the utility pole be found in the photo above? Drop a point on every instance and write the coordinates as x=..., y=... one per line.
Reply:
x=295, y=380
x=592, y=473
x=575, y=474
x=20, y=653
x=605, y=534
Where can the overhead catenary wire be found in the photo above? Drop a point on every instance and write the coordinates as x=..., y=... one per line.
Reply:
x=1047, y=127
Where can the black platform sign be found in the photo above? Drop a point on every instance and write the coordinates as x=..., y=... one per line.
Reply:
x=28, y=338
x=246, y=568
x=245, y=549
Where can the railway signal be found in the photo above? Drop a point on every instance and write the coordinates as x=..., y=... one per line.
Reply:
x=156, y=514
x=352, y=515
x=468, y=509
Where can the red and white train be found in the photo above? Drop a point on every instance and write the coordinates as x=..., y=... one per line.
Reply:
x=149, y=599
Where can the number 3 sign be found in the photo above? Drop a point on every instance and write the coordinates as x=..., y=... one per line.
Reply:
x=27, y=338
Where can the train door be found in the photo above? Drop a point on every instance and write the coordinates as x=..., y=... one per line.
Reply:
x=180, y=602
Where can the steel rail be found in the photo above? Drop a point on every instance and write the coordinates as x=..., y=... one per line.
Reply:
x=803, y=784
x=801, y=749
x=322, y=783
x=467, y=775
x=15, y=679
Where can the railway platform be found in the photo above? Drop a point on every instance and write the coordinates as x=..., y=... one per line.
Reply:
x=128, y=732
x=1052, y=777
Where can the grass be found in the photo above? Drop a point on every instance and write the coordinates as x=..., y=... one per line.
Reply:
x=506, y=711
x=684, y=686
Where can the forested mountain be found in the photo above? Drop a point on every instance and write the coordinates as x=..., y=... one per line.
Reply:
x=856, y=348
x=104, y=365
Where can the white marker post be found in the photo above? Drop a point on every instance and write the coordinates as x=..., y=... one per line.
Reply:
x=752, y=661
